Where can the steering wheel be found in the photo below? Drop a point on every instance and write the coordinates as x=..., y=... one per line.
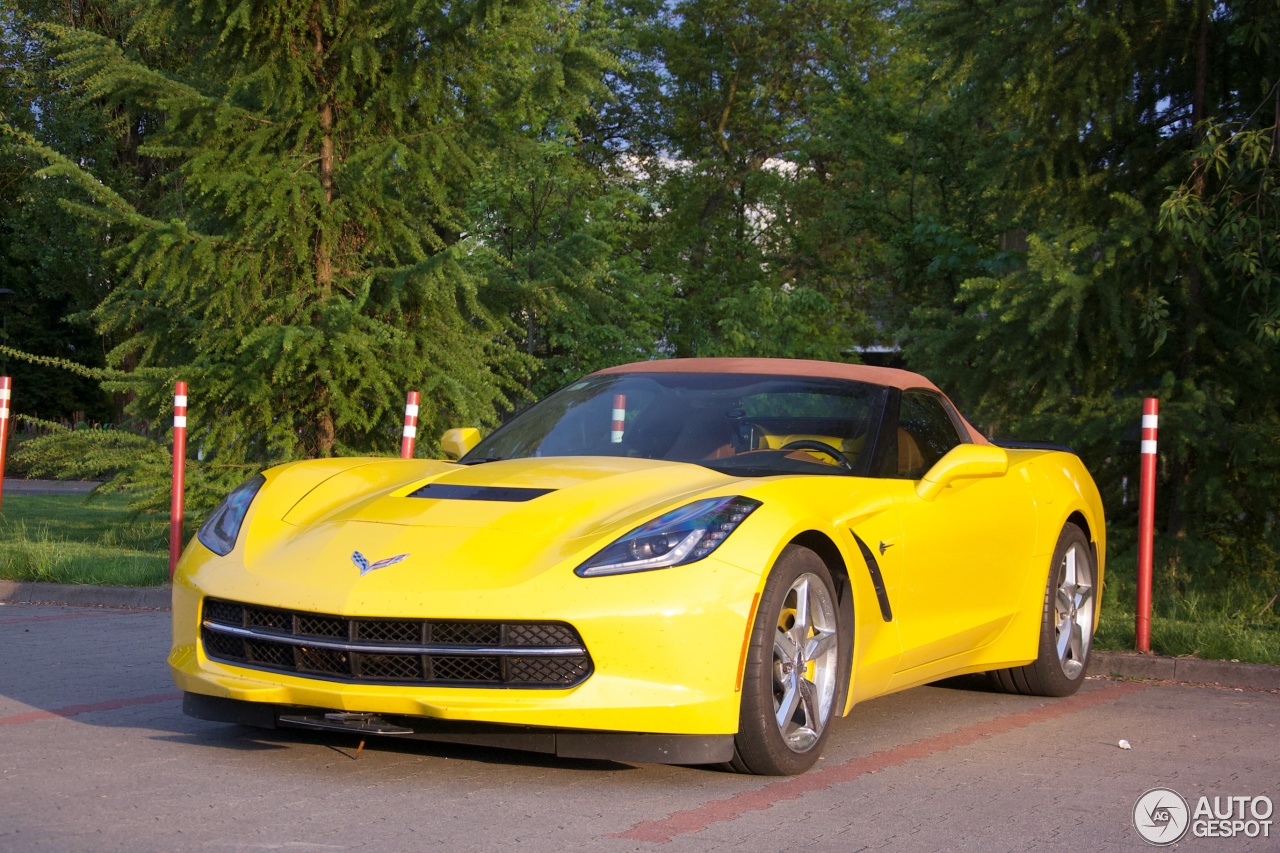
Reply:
x=819, y=447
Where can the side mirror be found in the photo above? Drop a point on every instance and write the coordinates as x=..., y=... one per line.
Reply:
x=457, y=443
x=963, y=462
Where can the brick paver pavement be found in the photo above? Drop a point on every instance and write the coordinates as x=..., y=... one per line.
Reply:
x=95, y=754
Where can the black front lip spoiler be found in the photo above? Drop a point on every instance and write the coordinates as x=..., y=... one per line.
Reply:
x=564, y=743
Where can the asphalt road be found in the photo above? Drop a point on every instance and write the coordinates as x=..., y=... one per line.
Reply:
x=95, y=754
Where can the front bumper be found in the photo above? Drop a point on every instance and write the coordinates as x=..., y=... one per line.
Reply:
x=666, y=648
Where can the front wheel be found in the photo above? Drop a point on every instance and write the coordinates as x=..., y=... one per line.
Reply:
x=1066, y=625
x=796, y=671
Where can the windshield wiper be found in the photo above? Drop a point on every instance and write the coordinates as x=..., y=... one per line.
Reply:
x=480, y=461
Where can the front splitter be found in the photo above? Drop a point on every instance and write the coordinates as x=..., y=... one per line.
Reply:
x=565, y=743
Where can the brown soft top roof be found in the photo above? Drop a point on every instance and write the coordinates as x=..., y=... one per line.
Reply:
x=887, y=376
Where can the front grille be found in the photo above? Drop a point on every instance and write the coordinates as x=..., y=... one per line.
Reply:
x=467, y=633
x=319, y=626
x=389, y=632
x=261, y=617
x=223, y=646
x=467, y=669
x=320, y=661
x=268, y=654
x=395, y=651
x=521, y=634
x=394, y=668
x=547, y=669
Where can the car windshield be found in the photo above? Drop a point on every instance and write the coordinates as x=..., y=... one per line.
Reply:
x=740, y=424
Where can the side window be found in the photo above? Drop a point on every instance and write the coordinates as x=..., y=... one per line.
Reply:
x=925, y=434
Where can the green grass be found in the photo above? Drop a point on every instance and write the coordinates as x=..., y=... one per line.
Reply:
x=75, y=539
x=1212, y=619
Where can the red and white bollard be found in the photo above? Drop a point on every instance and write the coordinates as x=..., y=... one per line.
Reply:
x=619, y=418
x=179, y=473
x=1146, y=521
x=410, y=434
x=6, y=386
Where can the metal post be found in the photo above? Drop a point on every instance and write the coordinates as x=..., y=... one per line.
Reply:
x=1146, y=521
x=619, y=422
x=410, y=434
x=179, y=473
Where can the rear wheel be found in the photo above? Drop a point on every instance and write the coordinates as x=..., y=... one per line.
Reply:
x=796, y=670
x=1066, y=625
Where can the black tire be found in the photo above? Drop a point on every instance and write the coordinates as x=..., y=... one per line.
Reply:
x=1059, y=669
x=760, y=746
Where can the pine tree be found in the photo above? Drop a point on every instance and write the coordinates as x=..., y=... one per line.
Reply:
x=51, y=259
x=315, y=261
x=1135, y=157
x=562, y=214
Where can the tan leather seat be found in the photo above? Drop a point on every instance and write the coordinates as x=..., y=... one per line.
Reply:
x=909, y=457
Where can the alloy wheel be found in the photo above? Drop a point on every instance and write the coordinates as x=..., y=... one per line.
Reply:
x=805, y=659
x=1074, y=611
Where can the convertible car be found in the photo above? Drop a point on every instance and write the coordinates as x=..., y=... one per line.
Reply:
x=694, y=561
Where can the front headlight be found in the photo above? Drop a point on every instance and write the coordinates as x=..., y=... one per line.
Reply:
x=681, y=536
x=219, y=533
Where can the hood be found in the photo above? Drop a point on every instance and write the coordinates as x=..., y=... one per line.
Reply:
x=471, y=529
x=548, y=498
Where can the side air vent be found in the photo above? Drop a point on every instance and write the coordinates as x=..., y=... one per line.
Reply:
x=877, y=579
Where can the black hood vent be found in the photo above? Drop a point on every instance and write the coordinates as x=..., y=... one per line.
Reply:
x=446, y=492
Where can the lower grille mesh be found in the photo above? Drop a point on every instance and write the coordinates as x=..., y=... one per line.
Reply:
x=390, y=667
x=419, y=651
x=467, y=669
x=269, y=654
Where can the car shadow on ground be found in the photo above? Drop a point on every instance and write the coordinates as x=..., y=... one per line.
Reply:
x=978, y=682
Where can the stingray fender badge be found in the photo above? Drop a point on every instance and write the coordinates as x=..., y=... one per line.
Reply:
x=363, y=564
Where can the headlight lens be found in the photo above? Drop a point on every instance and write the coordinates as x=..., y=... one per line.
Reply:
x=219, y=533
x=681, y=536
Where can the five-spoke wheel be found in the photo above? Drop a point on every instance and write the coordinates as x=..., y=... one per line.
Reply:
x=1066, y=625
x=1073, y=606
x=804, y=663
x=796, y=671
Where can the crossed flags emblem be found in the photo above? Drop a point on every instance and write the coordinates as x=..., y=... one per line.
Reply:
x=363, y=564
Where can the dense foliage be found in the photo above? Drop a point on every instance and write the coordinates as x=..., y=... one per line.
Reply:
x=305, y=209
x=1138, y=155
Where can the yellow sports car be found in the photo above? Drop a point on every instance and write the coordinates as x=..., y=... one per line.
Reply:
x=686, y=561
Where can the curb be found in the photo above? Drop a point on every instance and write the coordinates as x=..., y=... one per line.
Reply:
x=86, y=595
x=49, y=487
x=1259, y=676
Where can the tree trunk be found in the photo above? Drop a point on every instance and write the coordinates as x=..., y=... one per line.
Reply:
x=325, y=431
x=326, y=434
x=323, y=242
